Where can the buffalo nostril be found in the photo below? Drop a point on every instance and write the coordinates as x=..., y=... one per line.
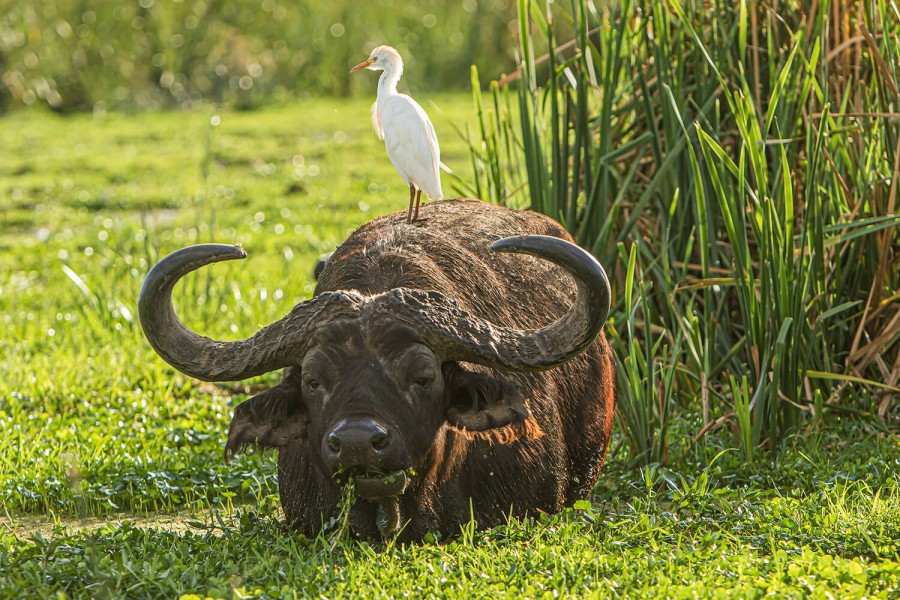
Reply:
x=380, y=440
x=334, y=443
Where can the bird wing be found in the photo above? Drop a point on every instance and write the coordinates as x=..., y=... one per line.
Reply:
x=412, y=143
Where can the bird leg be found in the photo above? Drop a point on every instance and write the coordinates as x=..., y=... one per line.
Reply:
x=412, y=196
x=418, y=200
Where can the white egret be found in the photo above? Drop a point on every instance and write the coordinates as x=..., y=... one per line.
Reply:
x=408, y=134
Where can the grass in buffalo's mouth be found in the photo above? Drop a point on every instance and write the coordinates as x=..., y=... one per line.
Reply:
x=379, y=475
x=372, y=472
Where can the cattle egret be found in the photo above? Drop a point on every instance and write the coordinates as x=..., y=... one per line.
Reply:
x=408, y=134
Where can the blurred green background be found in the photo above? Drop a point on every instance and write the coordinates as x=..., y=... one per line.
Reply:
x=83, y=55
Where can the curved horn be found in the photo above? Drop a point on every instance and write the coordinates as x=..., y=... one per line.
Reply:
x=463, y=336
x=273, y=347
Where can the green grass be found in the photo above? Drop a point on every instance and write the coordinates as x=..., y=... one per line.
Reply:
x=649, y=534
x=111, y=474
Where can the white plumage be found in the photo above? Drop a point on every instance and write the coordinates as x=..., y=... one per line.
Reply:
x=408, y=134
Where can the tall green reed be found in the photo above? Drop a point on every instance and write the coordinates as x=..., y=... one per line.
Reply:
x=749, y=159
x=647, y=369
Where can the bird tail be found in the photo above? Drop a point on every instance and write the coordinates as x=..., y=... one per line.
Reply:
x=436, y=193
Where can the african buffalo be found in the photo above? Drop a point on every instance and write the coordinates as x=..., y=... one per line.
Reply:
x=435, y=370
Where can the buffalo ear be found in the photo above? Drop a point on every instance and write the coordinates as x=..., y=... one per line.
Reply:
x=273, y=419
x=487, y=408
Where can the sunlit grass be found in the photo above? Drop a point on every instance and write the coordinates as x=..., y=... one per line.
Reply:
x=668, y=540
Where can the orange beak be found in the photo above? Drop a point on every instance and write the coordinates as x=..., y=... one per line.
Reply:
x=362, y=65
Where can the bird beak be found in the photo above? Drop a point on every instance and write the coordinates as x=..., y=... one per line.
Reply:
x=362, y=65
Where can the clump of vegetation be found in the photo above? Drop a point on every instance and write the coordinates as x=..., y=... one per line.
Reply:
x=739, y=170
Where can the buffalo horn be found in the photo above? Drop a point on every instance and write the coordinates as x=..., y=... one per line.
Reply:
x=459, y=335
x=271, y=348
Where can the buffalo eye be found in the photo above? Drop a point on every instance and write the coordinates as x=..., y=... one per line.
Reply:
x=424, y=382
x=312, y=384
